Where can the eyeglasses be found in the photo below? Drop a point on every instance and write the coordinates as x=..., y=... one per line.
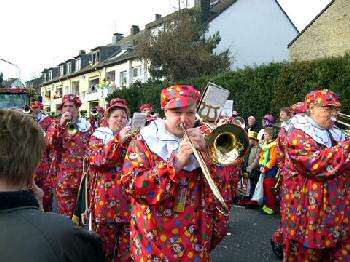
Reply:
x=331, y=108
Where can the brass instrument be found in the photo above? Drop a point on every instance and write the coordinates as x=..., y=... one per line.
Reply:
x=344, y=123
x=276, y=188
x=94, y=112
x=72, y=128
x=26, y=110
x=225, y=143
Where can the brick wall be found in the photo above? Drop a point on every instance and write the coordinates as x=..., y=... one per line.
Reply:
x=328, y=36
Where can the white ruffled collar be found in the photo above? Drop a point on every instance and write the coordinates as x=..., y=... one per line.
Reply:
x=163, y=143
x=104, y=133
x=311, y=128
x=83, y=124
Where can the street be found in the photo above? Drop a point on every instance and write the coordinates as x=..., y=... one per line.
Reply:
x=249, y=237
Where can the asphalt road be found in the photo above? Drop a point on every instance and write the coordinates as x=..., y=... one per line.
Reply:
x=248, y=238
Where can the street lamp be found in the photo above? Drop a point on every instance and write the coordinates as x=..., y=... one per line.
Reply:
x=10, y=63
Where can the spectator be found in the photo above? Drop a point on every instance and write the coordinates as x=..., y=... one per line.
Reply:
x=27, y=233
x=251, y=124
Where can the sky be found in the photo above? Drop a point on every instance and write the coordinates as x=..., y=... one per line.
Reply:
x=39, y=34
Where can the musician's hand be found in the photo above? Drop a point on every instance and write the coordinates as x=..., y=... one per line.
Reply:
x=197, y=138
x=65, y=118
x=262, y=170
x=124, y=134
x=183, y=155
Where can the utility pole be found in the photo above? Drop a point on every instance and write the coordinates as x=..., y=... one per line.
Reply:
x=10, y=63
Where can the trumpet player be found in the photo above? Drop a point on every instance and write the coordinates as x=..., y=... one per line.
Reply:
x=109, y=203
x=315, y=188
x=68, y=138
x=41, y=177
x=173, y=207
x=148, y=109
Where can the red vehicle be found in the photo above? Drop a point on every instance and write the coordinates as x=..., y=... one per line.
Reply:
x=14, y=98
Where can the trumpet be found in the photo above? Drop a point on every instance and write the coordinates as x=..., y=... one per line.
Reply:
x=72, y=128
x=94, y=112
x=27, y=110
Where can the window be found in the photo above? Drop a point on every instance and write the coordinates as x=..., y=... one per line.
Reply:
x=95, y=57
x=93, y=85
x=110, y=76
x=50, y=75
x=78, y=64
x=44, y=77
x=61, y=70
x=123, y=78
x=136, y=72
x=75, y=88
x=69, y=67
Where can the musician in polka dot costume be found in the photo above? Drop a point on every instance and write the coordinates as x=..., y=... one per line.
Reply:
x=315, y=197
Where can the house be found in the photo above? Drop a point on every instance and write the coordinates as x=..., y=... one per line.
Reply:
x=327, y=35
x=248, y=28
x=255, y=31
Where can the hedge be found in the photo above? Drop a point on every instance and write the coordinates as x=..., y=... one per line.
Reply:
x=262, y=89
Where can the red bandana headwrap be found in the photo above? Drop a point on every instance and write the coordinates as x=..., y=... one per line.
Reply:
x=323, y=97
x=117, y=102
x=37, y=104
x=179, y=96
x=146, y=106
x=71, y=98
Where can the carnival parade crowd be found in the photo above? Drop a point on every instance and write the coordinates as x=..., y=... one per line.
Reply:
x=148, y=197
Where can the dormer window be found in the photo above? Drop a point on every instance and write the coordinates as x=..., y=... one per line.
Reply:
x=61, y=70
x=96, y=57
x=44, y=76
x=50, y=75
x=78, y=64
x=69, y=67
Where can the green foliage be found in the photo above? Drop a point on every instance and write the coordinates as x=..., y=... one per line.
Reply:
x=180, y=50
x=260, y=90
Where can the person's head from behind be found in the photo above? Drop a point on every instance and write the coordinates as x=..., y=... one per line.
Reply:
x=179, y=104
x=21, y=147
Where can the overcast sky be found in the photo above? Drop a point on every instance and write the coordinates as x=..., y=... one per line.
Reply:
x=38, y=34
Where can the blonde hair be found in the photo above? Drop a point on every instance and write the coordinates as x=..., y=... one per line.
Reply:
x=21, y=146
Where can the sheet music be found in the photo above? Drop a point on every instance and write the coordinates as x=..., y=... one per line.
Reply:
x=228, y=107
x=138, y=121
x=212, y=102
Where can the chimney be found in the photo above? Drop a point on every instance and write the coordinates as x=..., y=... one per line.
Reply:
x=82, y=52
x=203, y=6
x=157, y=16
x=117, y=37
x=134, y=29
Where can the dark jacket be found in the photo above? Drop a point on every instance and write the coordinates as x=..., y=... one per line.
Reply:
x=28, y=234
